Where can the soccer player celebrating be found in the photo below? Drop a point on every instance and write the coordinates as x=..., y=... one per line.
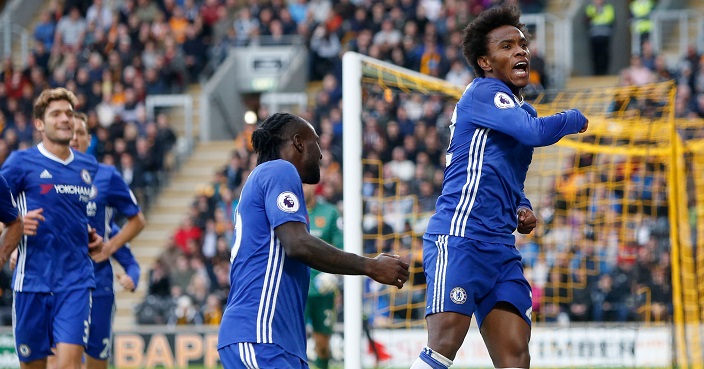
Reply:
x=54, y=276
x=320, y=308
x=469, y=255
x=263, y=324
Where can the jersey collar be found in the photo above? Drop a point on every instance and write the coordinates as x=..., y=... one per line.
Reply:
x=53, y=157
x=518, y=101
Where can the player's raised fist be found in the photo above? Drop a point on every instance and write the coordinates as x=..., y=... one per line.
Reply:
x=389, y=269
x=584, y=128
x=526, y=221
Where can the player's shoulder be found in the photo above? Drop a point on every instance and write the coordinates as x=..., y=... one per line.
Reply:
x=85, y=158
x=493, y=91
x=17, y=160
x=107, y=169
x=29, y=152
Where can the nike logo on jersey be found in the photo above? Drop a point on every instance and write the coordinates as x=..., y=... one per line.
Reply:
x=45, y=174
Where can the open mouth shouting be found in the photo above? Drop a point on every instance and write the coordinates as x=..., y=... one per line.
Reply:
x=520, y=69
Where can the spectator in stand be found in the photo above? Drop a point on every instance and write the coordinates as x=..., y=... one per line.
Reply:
x=178, y=25
x=194, y=50
x=245, y=26
x=324, y=51
x=185, y=313
x=388, y=37
x=609, y=304
x=212, y=310
x=187, y=231
x=100, y=15
x=159, y=281
x=640, y=11
x=647, y=55
x=70, y=33
x=44, y=30
x=459, y=74
x=146, y=11
x=600, y=17
x=637, y=74
x=210, y=14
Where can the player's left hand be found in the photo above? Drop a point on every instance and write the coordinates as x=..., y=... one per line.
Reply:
x=95, y=243
x=104, y=254
x=126, y=282
x=526, y=220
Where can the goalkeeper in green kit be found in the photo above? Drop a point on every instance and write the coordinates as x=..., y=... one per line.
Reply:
x=320, y=309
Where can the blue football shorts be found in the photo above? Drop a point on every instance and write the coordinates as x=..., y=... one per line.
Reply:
x=245, y=355
x=468, y=277
x=101, y=317
x=41, y=320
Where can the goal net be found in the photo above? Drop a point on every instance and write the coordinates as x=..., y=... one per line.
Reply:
x=617, y=280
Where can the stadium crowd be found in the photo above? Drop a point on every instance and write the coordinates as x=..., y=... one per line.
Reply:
x=113, y=58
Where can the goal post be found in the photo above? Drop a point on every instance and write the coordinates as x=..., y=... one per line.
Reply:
x=353, y=74
x=352, y=203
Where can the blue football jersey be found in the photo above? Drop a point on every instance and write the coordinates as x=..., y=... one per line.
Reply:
x=492, y=137
x=8, y=206
x=56, y=258
x=269, y=289
x=113, y=194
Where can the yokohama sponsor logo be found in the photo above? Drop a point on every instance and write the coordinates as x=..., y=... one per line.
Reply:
x=72, y=190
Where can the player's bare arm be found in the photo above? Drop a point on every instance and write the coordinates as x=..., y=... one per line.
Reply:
x=9, y=239
x=129, y=231
x=299, y=244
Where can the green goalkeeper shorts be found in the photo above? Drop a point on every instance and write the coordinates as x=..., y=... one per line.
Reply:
x=320, y=313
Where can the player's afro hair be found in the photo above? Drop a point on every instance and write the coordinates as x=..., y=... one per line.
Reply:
x=474, y=39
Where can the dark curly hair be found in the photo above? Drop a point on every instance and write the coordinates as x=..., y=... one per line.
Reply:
x=474, y=38
x=267, y=139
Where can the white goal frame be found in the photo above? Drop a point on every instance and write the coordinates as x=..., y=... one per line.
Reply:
x=352, y=193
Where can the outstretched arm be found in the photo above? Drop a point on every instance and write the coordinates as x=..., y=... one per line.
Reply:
x=130, y=230
x=299, y=244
